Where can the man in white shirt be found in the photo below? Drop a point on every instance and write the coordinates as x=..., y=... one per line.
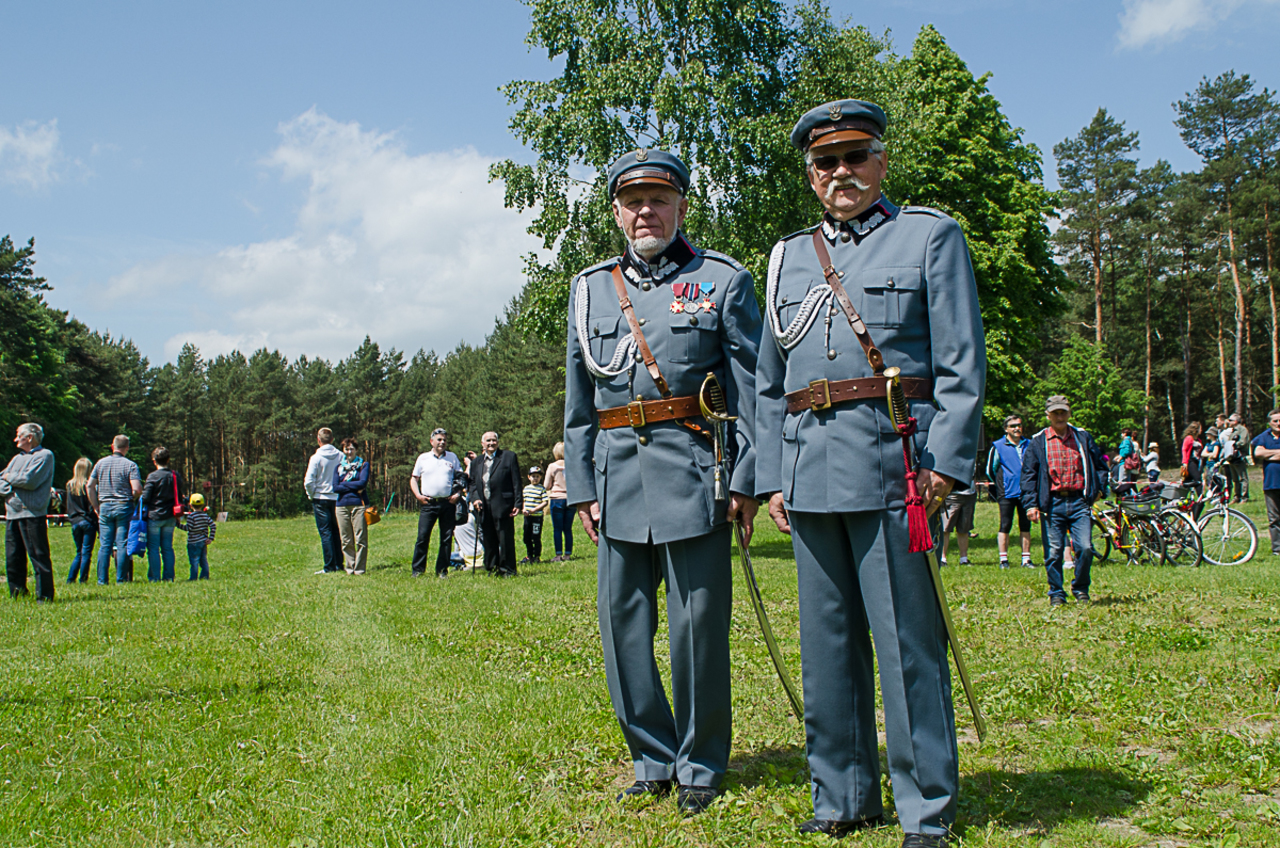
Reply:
x=436, y=483
x=324, y=500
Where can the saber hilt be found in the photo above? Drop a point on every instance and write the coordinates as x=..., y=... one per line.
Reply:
x=716, y=410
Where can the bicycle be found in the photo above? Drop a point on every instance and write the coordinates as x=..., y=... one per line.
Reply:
x=1129, y=526
x=1229, y=537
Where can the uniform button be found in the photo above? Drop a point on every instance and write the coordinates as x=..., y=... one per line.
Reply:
x=639, y=397
x=784, y=299
x=891, y=284
x=597, y=331
x=693, y=320
x=643, y=321
x=831, y=354
x=844, y=237
x=644, y=440
x=646, y=286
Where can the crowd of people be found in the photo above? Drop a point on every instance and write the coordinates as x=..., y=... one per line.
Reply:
x=107, y=500
x=473, y=501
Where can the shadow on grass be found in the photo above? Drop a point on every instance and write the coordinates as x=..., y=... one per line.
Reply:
x=768, y=766
x=1046, y=799
x=1117, y=600
x=772, y=549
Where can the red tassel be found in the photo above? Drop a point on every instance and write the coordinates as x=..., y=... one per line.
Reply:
x=917, y=519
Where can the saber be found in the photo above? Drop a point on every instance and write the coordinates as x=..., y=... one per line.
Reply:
x=716, y=411
x=898, y=415
x=757, y=603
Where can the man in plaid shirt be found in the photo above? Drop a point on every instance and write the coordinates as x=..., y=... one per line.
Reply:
x=1063, y=472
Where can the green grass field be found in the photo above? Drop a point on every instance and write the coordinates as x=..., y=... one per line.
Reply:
x=269, y=706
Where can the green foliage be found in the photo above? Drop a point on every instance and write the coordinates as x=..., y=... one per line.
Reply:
x=721, y=84
x=473, y=712
x=1101, y=400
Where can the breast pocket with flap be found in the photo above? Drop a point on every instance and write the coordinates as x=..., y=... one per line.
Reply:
x=891, y=297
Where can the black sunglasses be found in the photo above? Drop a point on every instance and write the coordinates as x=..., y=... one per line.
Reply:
x=852, y=157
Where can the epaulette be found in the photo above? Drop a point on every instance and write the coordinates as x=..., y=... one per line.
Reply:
x=807, y=231
x=923, y=210
x=599, y=266
x=725, y=258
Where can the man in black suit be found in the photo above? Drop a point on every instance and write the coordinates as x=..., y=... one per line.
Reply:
x=497, y=495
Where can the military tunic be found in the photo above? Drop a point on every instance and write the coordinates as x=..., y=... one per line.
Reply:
x=660, y=520
x=841, y=473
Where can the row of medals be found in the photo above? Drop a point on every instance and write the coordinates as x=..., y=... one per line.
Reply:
x=689, y=306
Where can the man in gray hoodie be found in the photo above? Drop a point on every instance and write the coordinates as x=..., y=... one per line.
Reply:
x=25, y=486
x=324, y=500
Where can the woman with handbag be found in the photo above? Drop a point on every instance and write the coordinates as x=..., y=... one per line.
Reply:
x=162, y=501
x=1191, y=447
x=350, y=479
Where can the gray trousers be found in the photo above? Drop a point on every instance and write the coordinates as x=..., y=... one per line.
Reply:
x=858, y=581
x=690, y=744
x=1273, y=518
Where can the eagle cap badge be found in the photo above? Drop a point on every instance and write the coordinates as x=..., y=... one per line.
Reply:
x=642, y=155
x=836, y=112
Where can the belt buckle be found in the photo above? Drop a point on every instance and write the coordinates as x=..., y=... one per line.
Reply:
x=819, y=395
x=635, y=414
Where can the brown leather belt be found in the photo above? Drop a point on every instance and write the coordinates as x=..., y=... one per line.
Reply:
x=640, y=413
x=823, y=394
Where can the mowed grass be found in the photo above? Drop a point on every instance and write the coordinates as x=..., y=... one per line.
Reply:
x=270, y=706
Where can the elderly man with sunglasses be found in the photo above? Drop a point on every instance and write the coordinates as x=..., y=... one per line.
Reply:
x=873, y=286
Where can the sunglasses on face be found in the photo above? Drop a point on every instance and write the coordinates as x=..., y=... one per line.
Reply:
x=851, y=158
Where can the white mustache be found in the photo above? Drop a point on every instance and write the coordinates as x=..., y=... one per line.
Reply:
x=846, y=182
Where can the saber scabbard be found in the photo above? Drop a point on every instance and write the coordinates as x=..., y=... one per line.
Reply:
x=898, y=415
x=757, y=603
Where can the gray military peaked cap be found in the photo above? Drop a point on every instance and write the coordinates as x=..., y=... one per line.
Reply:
x=839, y=120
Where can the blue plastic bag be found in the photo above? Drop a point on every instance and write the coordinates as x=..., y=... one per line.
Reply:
x=137, y=544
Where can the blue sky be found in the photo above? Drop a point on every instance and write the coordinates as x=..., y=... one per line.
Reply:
x=299, y=175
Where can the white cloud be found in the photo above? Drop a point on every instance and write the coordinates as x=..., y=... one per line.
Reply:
x=29, y=153
x=1157, y=22
x=415, y=251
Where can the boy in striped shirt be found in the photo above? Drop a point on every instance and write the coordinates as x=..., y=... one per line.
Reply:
x=200, y=532
x=536, y=504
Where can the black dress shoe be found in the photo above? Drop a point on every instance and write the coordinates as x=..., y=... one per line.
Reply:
x=656, y=788
x=417, y=573
x=840, y=829
x=1055, y=601
x=694, y=799
x=923, y=840
x=1082, y=597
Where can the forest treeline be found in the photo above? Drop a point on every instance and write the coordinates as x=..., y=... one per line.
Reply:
x=1146, y=296
x=241, y=428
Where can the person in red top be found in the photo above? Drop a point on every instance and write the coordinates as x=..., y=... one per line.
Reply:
x=1191, y=455
x=1063, y=472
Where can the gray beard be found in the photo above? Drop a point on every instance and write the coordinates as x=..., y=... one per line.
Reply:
x=647, y=247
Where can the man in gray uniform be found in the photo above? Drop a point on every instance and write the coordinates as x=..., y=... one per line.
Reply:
x=831, y=464
x=645, y=330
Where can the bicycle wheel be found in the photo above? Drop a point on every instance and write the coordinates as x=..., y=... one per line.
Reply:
x=1142, y=542
x=1100, y=538
x=1230, y=537
x=1182, y=542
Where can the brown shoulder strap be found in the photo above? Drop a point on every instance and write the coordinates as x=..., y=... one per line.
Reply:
x=647, y=355
x=842, y=297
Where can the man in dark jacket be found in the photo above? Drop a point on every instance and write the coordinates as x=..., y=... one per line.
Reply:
x=496, y=492
x=1063, y=472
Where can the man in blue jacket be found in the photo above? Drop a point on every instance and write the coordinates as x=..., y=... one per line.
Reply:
x=1004, y=470
x=1063, y=472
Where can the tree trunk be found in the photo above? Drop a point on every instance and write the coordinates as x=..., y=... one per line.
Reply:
x=1146, y=385
x=1240, y=318
x=1186, y=344
x=1217, y=314
x=1097, y=285
x=1271, y=293
x=1173, y=425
